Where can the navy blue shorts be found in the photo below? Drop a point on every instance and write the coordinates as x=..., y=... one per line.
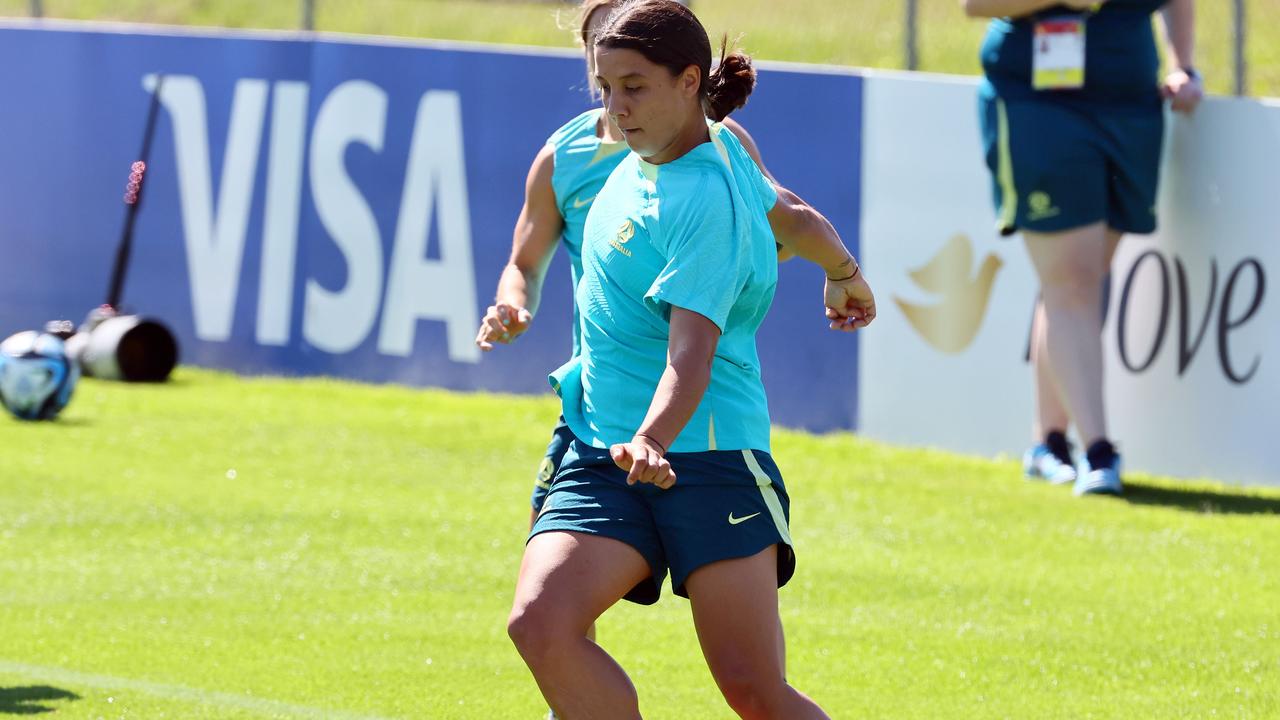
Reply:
x=561, y=435
x=725, y=504
x=1058, y=166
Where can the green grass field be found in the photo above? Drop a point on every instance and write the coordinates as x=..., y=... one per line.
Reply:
x=865, y=33
x=231, y=548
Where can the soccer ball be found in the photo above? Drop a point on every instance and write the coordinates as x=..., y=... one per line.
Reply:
x=36, y=375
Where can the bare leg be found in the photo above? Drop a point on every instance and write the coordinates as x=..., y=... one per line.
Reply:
x=566, y=581
x=1071, y=266
x=591, y=631
x=735, y=610
x=782, y=648
x=1051, y=412
x=1113, y=242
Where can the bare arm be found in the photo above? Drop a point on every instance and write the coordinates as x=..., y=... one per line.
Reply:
x=1018, y=8
x=1180, y=32
x=691, y=347
x=804, y=231
x=1182, y=85
x=796, y=225
x=798, y=228
x=532, y=246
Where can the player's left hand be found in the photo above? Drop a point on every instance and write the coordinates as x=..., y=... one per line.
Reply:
x=850, y=303
x=644, y=462
x=1183, y=91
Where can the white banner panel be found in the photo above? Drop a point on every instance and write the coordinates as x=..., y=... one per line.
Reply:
x=1192, y=339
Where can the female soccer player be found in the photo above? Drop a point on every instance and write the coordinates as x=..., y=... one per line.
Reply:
x=1072, y=122
x=563, y=181
x=679, y=267
x=565, y=177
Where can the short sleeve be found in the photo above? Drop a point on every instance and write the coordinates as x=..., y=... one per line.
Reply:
x=705, y=260
x=751, y=181
x=764, y=188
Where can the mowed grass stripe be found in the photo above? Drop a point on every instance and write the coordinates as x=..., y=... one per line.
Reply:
x=354, y=548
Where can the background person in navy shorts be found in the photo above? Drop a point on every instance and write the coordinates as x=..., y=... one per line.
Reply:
x=1072, y=122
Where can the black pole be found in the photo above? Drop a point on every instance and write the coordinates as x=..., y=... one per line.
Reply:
x=133, y=200
x=1241, y=68
x=911, y=55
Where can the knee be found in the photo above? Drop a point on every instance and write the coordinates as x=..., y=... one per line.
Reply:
x=526, y=627
x=750, y=696
x=534, y=630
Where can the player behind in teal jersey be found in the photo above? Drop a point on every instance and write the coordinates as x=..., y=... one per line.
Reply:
x=679, y=266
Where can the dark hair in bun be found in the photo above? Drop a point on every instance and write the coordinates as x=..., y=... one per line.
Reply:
x=669, y=34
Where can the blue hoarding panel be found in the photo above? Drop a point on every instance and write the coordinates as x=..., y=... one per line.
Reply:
x=342, y=208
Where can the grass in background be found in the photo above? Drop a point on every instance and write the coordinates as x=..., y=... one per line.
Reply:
x=228, y=548
x=865, y=33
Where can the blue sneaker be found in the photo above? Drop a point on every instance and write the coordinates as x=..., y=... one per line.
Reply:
x=1041, y=463
x=1101, y=480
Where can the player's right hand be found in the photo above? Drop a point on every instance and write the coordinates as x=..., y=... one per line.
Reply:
x=644, y=462
x=502, y=323
x=1183, y=91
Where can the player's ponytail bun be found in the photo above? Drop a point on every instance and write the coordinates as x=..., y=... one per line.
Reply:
x=729, y=84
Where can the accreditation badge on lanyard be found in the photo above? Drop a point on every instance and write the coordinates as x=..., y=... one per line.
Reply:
x=1057, y=57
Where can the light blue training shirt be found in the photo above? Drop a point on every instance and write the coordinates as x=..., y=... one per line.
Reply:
x=691, y=233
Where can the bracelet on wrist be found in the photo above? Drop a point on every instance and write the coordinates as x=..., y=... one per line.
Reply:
x=661, y=447
x=856, y=269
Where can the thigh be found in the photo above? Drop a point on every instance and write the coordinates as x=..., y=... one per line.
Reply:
x=735, y=612
x=1113, y=242
x=1071, y=257
x=570, y=579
